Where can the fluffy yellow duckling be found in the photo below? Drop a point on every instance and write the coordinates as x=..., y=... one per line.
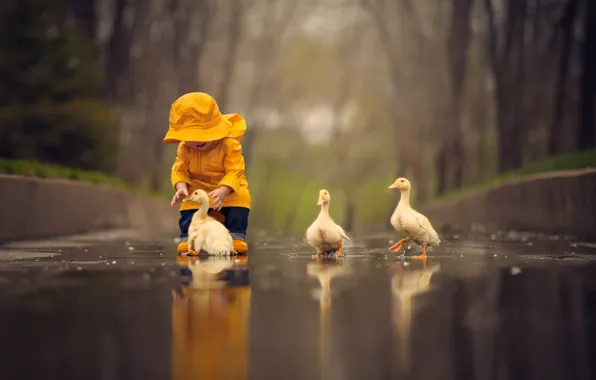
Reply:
x=408, y=221
x=324, y=234
x=206, y=233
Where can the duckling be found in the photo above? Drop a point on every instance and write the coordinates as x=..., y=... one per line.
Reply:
x=206, y=233
x=408, y=221
x=324, y=234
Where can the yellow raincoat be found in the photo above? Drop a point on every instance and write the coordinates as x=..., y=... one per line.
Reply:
x=196, y=117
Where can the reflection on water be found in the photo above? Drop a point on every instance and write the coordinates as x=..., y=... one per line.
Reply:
x=375, y=316
x=209, y=319
x=324, y=271
x=406, y=284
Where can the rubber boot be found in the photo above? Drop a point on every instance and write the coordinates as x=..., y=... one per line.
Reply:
x=241, y=247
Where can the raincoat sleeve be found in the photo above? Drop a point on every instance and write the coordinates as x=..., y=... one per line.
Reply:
x=233, y=164
x=180, y=168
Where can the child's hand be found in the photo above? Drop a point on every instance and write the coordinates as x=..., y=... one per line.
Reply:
x=218, y=196
x=181, y=192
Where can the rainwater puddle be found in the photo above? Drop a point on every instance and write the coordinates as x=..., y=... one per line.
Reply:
x=474, y=309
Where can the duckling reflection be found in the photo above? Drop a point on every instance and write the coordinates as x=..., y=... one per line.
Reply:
x=325, y=271
x=210, y=318
x=405, y=285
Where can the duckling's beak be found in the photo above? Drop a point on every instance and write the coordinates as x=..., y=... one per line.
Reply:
x=320, y=202
x=393, y=186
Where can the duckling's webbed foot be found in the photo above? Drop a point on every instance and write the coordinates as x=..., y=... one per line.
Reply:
x=423, y=256
x=339, y=252
x=399, y=245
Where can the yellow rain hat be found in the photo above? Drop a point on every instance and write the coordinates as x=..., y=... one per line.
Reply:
x=196, y=117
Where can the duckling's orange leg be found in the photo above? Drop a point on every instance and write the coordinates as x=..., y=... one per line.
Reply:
x=423, y=256
x=317, y=255
x=339, y=252
x=399, y=245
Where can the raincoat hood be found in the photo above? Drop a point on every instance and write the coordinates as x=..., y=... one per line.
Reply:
x=196, y=117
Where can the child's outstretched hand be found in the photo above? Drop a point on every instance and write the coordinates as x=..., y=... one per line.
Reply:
x=181, y=192
x=218, y=196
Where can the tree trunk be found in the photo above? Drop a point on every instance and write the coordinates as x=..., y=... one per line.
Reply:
x=268, y=47
x=456, y=156
x=568, y=21
x=118, y=61
x=585, y=138
x=84, y=12
x=234, y=29
x=509, y=153
x=459, y=40
x=449, y=166
x=441, y=171
x=507, y=63
x=189, y=49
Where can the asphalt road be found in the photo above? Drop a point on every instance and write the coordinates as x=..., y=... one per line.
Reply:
x=114, y=306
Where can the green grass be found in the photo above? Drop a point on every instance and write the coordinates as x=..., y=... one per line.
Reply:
x=39, y=170
x=573, y=161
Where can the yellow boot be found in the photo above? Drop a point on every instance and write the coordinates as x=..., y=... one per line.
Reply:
x=182, y=247
x=241, y=247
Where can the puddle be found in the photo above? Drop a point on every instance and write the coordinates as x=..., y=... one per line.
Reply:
x=470, y=310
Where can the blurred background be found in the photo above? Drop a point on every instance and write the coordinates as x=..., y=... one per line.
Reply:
x=341, y=94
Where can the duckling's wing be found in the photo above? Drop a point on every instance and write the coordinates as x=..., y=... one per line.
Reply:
x=422, y=221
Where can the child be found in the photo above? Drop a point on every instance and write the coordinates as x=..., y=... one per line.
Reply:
x=209, y=157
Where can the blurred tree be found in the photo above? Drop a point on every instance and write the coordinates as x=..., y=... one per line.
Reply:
x=275, y=18
x=49, y=89
x=506, y=52
x=84, y=11
x=564, y=29
x=451, y=156
x=44, y=57
x=236, y=9
x=587, y=134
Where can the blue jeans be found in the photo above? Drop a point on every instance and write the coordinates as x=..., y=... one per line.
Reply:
x=236, y=222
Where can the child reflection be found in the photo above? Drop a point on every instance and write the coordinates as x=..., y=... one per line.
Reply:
x=210, y=318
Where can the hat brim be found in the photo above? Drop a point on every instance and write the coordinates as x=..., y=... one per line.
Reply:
x=217, y=132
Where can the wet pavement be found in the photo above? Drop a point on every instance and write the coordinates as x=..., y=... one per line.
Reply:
x=112, y=307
